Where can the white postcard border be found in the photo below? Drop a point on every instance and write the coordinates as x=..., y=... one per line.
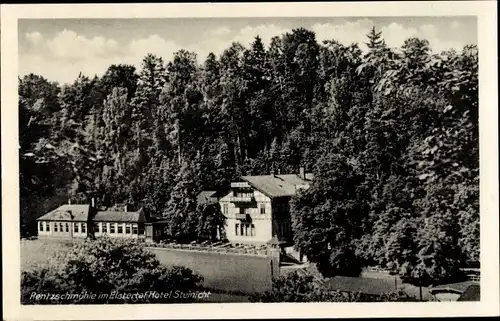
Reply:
x=489, y=224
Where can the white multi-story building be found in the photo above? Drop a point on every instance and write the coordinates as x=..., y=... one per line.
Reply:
x=257, y=207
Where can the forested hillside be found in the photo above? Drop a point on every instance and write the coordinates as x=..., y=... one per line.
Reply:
x=391, y=135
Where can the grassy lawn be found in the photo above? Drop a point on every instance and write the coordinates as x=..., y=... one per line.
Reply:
x=39, y=251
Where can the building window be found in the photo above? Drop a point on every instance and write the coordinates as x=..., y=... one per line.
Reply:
x=47, y=226
x=55, y=227
x=75, y=227
x=141, y=229
x=245, y=229
x=237, y=227
x=243, y=194
x=104, y=228
x=242, y=210
x=134, y=229
x=120, y=229
x=225, y=209
x=67, y=227
x=112, y=228
x=84, y=228
x=127, y=229
x=61, y=227
x=40, y=226
x=262, y=208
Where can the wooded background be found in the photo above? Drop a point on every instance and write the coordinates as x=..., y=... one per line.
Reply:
x=391, y=135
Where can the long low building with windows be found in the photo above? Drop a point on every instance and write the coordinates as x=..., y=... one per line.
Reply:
x=71, y=221
x=119, y=224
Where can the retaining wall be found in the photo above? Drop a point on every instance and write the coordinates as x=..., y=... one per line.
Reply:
x=229, y=272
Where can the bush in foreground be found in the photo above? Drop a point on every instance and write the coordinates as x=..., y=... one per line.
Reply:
x=94, y=269
x=295, y=287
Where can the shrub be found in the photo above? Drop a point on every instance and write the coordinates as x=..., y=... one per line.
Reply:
x=295, y=287
x=102, y=267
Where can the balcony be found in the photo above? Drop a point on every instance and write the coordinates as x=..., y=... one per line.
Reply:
x=240, y=199
x=243, y=217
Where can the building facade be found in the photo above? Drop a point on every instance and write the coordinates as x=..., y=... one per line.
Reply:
x=257, y=207
x=71, y=221
x=460, y=291
x=119, y=224
x=67, y=222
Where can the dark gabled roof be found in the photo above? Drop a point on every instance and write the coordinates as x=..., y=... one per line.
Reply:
x=276, y=185
x=459, y=287
x=358, y=284
x=67, y=212
x=117, y=216
x=206, y=197
x=472, y=293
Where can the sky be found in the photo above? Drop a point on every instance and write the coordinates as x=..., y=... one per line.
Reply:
x=59, y=49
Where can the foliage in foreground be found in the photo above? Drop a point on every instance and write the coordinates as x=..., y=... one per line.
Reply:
x=295, y=287
x=105, y=266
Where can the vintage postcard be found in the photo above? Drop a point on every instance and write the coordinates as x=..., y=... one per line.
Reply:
x=202, y=160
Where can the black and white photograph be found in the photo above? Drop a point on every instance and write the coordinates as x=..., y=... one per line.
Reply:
x=260, y=159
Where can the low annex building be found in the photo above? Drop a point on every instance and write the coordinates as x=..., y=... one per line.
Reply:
x=120, y=224
x=71, y=221
x=66, y=221
x=460, y=291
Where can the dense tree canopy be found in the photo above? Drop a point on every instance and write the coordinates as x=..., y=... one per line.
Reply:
x=390, y=133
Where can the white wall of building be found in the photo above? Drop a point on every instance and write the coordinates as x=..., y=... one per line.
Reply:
x=80, y=229
x=114, y=229
x=62, y=229
x=256, y=230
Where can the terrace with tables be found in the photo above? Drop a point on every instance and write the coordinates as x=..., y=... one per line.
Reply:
x=221, y=247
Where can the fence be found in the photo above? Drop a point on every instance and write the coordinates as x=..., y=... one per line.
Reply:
x=222, y=248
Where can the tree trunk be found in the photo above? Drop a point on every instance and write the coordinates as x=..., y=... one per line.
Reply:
x=179, y=153
x=178, y=142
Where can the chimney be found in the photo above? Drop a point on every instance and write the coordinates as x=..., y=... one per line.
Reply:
x=302, y=172
x=93, y=202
